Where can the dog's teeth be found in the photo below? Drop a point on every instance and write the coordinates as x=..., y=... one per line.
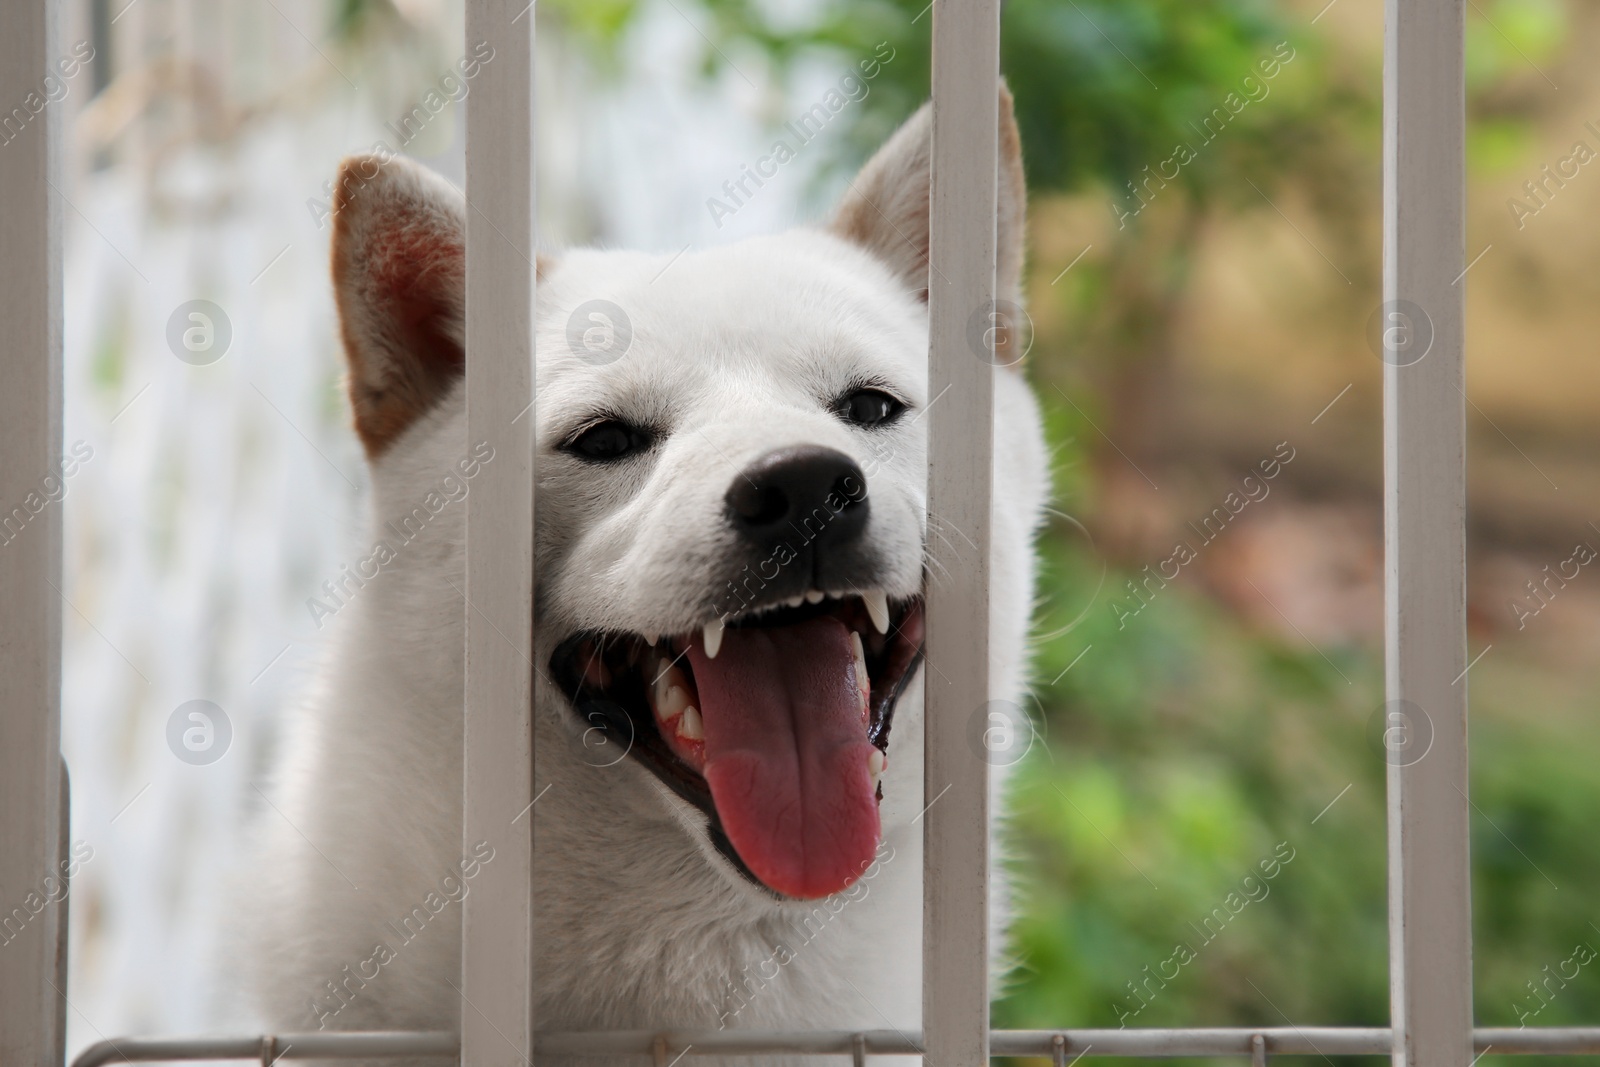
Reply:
x=689, y=727
x=814, y=597
x=863, y=681
x=712, y=635
x=795, y=601
x=674, y=704
x=875, y=765
x=651, y=639
x=877, y=603
x=658, y=689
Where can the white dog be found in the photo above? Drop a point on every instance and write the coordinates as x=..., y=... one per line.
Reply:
x=731, y=559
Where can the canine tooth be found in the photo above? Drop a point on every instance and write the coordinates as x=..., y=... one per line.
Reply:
x=876, y=763
x=674, y=704
x=713, y=638
x=862, y=679
x=651, y=639
x=667, y=678
x=878, y=607
x=689, y=727
x=814, y=597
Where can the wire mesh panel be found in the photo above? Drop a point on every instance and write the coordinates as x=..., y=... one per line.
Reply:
x=497, y=959
x=961, y=292
x=32, y=1010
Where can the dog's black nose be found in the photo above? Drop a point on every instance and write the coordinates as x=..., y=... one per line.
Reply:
x=805, y=493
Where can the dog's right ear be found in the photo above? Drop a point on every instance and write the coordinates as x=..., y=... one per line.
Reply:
x=399, y=278
x=886, y=209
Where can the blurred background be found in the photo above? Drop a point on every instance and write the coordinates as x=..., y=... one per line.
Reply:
x=1199, y=827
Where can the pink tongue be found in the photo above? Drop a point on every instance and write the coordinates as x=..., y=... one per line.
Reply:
x=786, y=754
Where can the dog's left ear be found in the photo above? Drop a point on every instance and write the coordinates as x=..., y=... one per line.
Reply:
x=886, y=209
x=399, y=276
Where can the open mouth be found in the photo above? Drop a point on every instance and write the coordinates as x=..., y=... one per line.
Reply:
x=775, y=725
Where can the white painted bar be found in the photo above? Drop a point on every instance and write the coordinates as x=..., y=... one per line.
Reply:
x=1303, y=1040
x=318, y=1044
x=497, y=921
x=1142, y=1043
x=30, y=548
x=961, y=284
x=1430, y=917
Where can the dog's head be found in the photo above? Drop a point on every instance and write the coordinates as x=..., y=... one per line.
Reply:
x=731, y=468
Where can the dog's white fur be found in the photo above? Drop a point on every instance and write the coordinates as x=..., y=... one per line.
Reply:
x=639, y=923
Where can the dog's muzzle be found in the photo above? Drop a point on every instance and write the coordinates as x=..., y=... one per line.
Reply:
x=772, y=714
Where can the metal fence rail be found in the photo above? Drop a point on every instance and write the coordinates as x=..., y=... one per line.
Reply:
x=1425, y=491
x=32, y=1016
x=496, y=988
x=962, y=249
x=269, y=1048
x=668, y=1046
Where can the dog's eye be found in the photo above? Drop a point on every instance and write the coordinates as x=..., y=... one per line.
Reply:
x=868, y=407
x=609, y=440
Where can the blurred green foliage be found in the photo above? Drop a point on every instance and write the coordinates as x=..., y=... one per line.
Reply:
x=1184, y=755
x=1103, y=88
x=1180, y=751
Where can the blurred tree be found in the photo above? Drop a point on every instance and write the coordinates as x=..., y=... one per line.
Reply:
x=1104, y=88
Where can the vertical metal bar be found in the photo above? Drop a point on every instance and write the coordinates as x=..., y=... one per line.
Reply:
x=961, y=290
x=30, y=536
x=1430, y=925
x=59, y=914
x=497, y=929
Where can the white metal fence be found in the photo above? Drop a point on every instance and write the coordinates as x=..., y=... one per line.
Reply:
x=1424, y=427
